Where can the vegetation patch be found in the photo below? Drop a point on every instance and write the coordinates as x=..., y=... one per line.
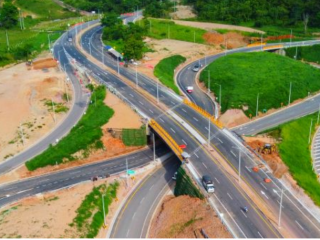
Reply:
x=244, y=76
x=295, y=152
x=185, y=186
x=164, y=71
x=308, y=53
x=90, y=217
x=83, y=135
x=134, y=137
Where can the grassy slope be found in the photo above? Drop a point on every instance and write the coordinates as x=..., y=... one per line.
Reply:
x=81, y=137
x=295, y=152
x=244, y=75
x=309, y=53
x=160, y=29
x=164, y=70
x=45, y=9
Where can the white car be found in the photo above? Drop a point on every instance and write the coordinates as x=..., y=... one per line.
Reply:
x=196, y=68
x=189, y=89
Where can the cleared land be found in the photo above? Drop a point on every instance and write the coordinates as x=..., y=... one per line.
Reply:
x=165, y=71
x=295, y=152
x=26, y=106
x=245, y=75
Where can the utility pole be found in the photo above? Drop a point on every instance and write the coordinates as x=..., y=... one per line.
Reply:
x=194, y=36
x=318, y=115
x=54, y=114
x=239, y=165
x=310, y=131
x=104, y=211
x=136, y=78
x=280, y=210
x=102, y=53
x=291, y=38
x=208, y=81
x=290, y=93
x=118, y=66
x=209, y=131
x=296, y=56
x=8, y=44
x=127, y=172
x=158, y=93
x=154, y=147
x=49, y=42
x=261, y=42
x=257, y=105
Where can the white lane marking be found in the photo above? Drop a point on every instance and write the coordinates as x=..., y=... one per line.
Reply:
x=141, y=103
x=142, y=200
x=172, y=102
x=184, y=142
x=161, y=120
x=219, y=140
x=264, y=194
x=206, y=128
x=299, y=224
x=204, y=165
x=233, y=153
x=263, y=186
x=248, y=169
x=183, y=110
x=131, y=95
x=134, y=215
x=195, y=119
x=229, y=196
x=217, y=180
x=24, y=190
x=127, y=233
x=122, y=88
x=260, y=234
x=172, y=130
x=150, y=110
x=196, y=155
x=244, y=214
x=151, y=187
x=153, y=90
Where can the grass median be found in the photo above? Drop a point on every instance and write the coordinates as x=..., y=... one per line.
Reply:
x=244, y=76
x=165, y=69
x=295, y=152
x=84, y=136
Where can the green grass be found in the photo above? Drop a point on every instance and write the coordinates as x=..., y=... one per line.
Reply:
x=295, y=153
x=308, y=53
x=164, y=71
x=245, y=75
x=160, y=30
x=81, y=137
x=134, y=137
x=89, y=217
x=45, y=9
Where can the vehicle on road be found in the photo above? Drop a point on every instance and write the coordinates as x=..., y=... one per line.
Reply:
x=189, y=89
x=245, y=209
x=196, y=68
x=207, y=183
x=174, y=176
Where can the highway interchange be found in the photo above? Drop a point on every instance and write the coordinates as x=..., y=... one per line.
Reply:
x=229, y=197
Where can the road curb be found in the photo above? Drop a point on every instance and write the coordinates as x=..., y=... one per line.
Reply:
x=316, y=134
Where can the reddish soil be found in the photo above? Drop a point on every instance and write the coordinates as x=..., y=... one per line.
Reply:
x=233, y=39
x=184, y=217
x=45, y=63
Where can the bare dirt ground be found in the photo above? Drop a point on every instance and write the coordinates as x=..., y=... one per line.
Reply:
x=49, y=215
x=182, y=12
x=233, y=117
x=114, y=147
x=166, y=47
x=212, y=26
x=184, y=217
x=23, y=92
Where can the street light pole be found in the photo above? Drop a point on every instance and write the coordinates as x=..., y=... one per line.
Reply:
x=261, y=42
x=310, y=131
x=127, y=172
x=54, y=114
x=154, y=148
x=118, y=66
x=290, y=93
x=291, y=38
x=49, y=42
x=318, y=115
x=194, y=36
x=102, y=54
x=257, y=105
x=209, y=131
x=8, y=43
x=280, y=210
x=208, y=81
x=220, y=96
x=239, y=165
x=158, y=92
x=104, y=211
x=136, y=78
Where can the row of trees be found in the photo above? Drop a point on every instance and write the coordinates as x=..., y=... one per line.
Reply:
x=154, y=8
x=131, y=35
x=9, y=15
x=262, y=12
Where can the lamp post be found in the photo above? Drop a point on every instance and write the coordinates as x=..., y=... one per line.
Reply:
x=257, y=104
x=104, y=211
x=219, y=94
x=239, y=170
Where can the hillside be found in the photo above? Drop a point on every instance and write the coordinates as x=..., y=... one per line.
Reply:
x=245, y=75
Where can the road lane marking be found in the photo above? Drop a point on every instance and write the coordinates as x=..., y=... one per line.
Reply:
x=172, y=130
x=248, y=169
x=196, y=155
x=204, y=165
x=183, y=110
x=151, y=187
x=134, y=215
x=150, y=110
x=263, y=186
x=217, y=180
x=264, y=194
x=229, y=196
x=195, y=119
x=233, y=153
x=260, y=234
x=142, y=200
x=161, y=120
x=131, y=95
x=219, y=140
x=184, y=142
x=141, y=103
x=299, y=224
x=244, y=214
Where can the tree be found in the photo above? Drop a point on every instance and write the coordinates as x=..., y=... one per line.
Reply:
x=8, y=15
x=133, y=48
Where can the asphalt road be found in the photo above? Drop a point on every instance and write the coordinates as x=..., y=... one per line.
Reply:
x=136, y=215
x=14, y=191
x=256, y=225
x=79, y=104
x=295, y=217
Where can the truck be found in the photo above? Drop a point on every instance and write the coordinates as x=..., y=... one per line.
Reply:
x=208, y=184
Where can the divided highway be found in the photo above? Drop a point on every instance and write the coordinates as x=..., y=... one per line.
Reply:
x=295, y=217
